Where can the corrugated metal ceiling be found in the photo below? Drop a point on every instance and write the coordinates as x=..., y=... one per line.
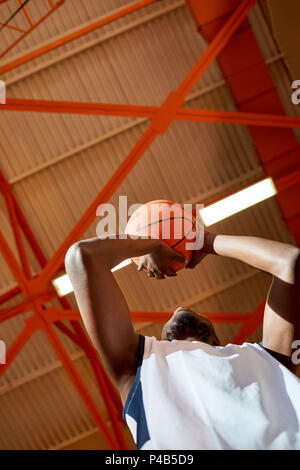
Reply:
x=57, y=164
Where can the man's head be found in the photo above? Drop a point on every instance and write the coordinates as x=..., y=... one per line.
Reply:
x=189, y=326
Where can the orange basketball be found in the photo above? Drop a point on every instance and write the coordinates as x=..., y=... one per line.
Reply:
x=167, y=221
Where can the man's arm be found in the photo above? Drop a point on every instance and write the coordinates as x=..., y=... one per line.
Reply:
x=281, y=323
x=101, y=303
x=270, y=256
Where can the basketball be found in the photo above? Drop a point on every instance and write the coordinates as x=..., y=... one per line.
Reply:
x=167, y=221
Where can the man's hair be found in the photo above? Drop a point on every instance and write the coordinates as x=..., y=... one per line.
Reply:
x=187, y=325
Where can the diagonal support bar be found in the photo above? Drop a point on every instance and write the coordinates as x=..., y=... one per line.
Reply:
x=106, y=193
x=7, y=192
x=77, y=381
x=13, y=265
x=10, y=294
x=16, y=347
x=250, y=325
x=104, y=385
x=114, y=395
x=162, y=317
x=14, y=28
x=27, y=16
x=71, y=36
x=95, y=363
x=32, y=27
x=216, y=46
x=148, y=137
x=151, y=112
x=25, y=306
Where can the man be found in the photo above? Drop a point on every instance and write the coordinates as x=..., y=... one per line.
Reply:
x=186, y=391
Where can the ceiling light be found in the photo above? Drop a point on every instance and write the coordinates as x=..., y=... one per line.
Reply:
x=63, y=285
x=238, y=202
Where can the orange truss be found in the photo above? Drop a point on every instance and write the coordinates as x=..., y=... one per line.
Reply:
x=222, y=28
x=53, y=6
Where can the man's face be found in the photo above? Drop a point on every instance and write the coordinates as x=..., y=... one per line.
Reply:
x=185, y=324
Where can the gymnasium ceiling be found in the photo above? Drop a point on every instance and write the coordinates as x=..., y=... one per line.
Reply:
x=57, y=164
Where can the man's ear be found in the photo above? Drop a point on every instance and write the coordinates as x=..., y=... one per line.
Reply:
x=216, y=341
x=164, y=331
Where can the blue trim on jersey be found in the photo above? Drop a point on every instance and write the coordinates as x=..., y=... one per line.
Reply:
x=279, y=357
x=134, y=405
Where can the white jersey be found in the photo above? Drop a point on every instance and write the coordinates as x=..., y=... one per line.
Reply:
x=190, y=395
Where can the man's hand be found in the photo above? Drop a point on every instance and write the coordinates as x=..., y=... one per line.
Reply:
x=157, y=263
x=208, y=248
x=197, y=257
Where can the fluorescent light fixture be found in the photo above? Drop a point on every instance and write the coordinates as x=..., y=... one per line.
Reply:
x=63, y=284
x=238, y=202
x=122, y=265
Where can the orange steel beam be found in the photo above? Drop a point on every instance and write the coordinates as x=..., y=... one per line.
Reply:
x=111, y=399
x=29, y=234
x=253, y=90
x=17, y=234
x=14, y=265
x=106, y=193
x=104, y=385
x=68, y=332
x=96, y=364
x=162, y=317
x=34, y=26
x=5, y=188
x=76, y=34
x=34, y=323
x=231, y=117
x=16, y=347
x=251, y=324
x=7, y=192
x=26, y=13
x=150, y=112
x=108, y=392
x=219, y=42
x=9, y=294
x=158, y=126
x=68, y=314
x=101, y=374
x=249, y=321
x=75, y=377
x=74, y=315
x=26, y=305
x=9, y=26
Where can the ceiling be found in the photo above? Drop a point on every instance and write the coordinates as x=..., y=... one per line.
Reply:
x=57, y=164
